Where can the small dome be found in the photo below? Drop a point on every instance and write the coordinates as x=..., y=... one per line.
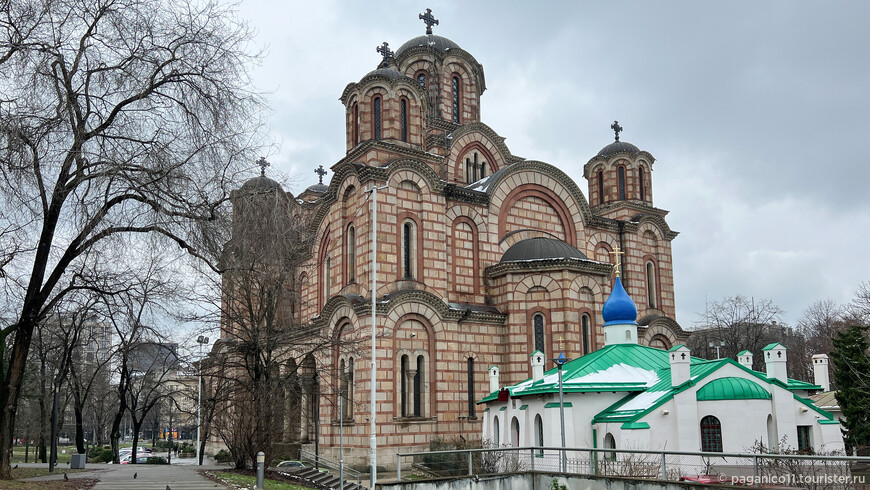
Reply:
x=540, y=248
x=732, y=389
x=618, y=147
x=390, y=73
x=440, y=44
x=318, y=188
x=619, y=309
x=261, y=183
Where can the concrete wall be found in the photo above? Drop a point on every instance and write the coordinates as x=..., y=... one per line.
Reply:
x=541, y=481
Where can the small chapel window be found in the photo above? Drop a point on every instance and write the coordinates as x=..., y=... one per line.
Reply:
x=404, y=120
x=621, y=176
x=495, y=431
x=326, y=278
x=346, y=388
x=456, y=96
x=475, y=168
x=421, y=79
x=471, y=387
x=600, y=187
x=351, y=254
x=651, y=285
x=418, y=388
x=640, y=183
x=403, y=383
x=610, y=443
x=711, y=435
x=584, y=331
x=539, y=425
x=377, y=117
x=538, y=322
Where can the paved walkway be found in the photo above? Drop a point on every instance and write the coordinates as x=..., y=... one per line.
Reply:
x=148, y=477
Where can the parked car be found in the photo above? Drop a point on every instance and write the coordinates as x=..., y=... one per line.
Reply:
x=140, y=457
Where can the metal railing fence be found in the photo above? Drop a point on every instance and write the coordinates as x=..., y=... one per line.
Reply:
x=318, y=461
x=813, y=472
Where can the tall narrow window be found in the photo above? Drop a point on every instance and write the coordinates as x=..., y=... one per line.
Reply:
x=711, y=435
x=468, y=170
x=418, y=388
x=495, y=431
x=538, y=321
x=600, y=187
x=456, y=99
x=584, y=330
x=609, y=443
x=539, y=428
x=326, y=279
x=351, y=254
x=621, y=172
x=404, y=386
x=404, y=120
x=640, y=183
x=377, y=117
x=348, y=404
x=408, y=250
x=804, y=443
x=651, y=285
x=421, y=79
x=470, y=387
x=355, y=123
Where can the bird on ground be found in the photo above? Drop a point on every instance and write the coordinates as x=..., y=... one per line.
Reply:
x=65, y=478
x=135, y=475
x=167, y=487
x=15, y=467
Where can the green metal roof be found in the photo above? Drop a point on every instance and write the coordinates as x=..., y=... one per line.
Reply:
x=743, y=352
x=771, y=346
x=672, y=349
x=732, y=388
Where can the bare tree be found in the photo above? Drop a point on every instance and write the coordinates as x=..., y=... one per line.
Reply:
x=117, y=117
x=740, y=323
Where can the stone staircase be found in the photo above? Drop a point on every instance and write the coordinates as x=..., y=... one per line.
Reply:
x=326, y=479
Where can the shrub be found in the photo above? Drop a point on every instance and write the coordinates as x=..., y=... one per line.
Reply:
x=223, y=456
x=156, y=460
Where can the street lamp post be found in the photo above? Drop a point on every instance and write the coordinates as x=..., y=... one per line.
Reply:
x=373, y=439
x=560, y=361
x=199, y=340
x=718, y=345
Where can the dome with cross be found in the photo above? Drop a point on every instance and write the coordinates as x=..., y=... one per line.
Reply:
x=261, y=183
x=429, y=40
x=619, y=309
x=618, y=146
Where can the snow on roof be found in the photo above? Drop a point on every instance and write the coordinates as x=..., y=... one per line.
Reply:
x=619, y=373
x=643, y=401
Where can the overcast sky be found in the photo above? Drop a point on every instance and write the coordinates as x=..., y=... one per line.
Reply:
x=756, y=112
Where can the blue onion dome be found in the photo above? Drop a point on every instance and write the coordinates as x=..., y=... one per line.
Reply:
x=619, y=309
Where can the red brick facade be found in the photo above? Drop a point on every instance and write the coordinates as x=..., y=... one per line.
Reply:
x=454, y=200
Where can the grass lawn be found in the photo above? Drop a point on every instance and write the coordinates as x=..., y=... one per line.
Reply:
x=34, y=472
x=62, y=458
x=246, y=481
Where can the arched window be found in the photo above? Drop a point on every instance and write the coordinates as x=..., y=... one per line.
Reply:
x=651, y=296
x=609, y=443
x=539, y=428
x=471, y=387
x=403, y=386
x=355, y=123
x=408, y=249
x=346, y=388
x=351, y=254
x=475, y=168
x=495, y=431
x=421, y=79
x=584, y=332
x=376, y=109
x=600, y=187
x=326, y=279
x=538, y=322
x=418, y=387
x=515, y=432
x=621, y=174
x=640, y=183
x=456, y=96
x=711, y=435
x=404, y=119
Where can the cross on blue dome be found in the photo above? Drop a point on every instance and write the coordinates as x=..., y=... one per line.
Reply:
x=619, y=309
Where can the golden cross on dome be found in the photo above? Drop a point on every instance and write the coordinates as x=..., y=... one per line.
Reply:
x=616, y=253
x=561, y=340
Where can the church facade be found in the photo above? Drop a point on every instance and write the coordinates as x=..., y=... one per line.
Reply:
x=483, y=256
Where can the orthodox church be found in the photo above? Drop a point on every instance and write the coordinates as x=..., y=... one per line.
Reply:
x=631, y=396
x=482, y=257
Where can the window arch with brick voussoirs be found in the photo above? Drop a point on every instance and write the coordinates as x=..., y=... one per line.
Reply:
x=414, y=367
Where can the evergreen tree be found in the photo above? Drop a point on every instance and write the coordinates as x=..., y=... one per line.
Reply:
x=851, y=361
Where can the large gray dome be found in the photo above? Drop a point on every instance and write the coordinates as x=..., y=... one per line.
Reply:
x=439, y=43
x=540, y=248
x=261, y=183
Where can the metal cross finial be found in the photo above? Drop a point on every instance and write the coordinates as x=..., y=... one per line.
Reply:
x=429, y=20
x=263, y=164
x=617, y=252
x=385, y=51
x=561, y=340
x=320, y=171
x=616, y=128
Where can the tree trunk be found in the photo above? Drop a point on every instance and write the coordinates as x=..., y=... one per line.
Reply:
x=52, y=460
x=136, y=427
x=80, y=428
